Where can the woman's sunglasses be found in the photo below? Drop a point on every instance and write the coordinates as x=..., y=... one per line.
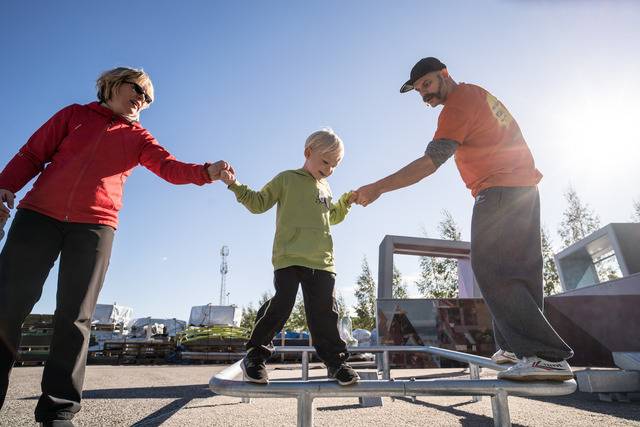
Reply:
x=140, y=91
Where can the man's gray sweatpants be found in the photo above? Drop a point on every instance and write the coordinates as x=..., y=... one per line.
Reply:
x=507, y=261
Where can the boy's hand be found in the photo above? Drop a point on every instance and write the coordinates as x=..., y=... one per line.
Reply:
x=228, y=177
x=353, y=196
x=214, y=169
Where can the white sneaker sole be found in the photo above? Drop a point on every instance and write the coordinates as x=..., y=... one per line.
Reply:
x=251, y=379
x=560, y=376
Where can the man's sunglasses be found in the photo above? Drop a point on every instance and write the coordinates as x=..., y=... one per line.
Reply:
x=140, y=91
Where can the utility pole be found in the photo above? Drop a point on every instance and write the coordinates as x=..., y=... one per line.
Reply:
x=224, y=269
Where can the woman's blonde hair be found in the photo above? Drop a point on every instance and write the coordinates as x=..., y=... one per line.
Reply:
x=111, y=80
x=326, y=141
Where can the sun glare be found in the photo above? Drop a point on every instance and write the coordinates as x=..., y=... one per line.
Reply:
x=599, y=134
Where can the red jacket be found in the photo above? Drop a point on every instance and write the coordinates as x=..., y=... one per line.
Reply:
x=89, y=152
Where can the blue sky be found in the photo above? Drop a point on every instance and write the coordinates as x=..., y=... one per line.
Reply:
x=248, y=81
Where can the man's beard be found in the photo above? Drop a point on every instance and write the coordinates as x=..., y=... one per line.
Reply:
x=428, y=96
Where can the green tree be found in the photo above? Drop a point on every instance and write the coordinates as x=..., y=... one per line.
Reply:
x=248, y=316
x=438, y=277
x=249, y=313
x=341, y=306
x=297, y=320
x=365, y=293
x=578, y=221
x=399, y=286
x=550, y=276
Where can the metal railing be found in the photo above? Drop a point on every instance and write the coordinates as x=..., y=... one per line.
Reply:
x=305, y=391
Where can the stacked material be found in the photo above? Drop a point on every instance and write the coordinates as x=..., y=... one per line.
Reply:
x=106, y=314
x=37, y=331
x=210, y=315
x=212, y=334
x=172, y=327
x=213, y=343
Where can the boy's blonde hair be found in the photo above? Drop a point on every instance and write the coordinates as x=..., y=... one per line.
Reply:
x=326, y=141
x=111, y=80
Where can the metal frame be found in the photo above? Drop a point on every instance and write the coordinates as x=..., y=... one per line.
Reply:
x=306, y=391
x=421, y=246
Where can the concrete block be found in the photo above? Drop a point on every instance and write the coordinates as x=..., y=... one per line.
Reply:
x=629, y=361
x=608, y=381
x=367, y=402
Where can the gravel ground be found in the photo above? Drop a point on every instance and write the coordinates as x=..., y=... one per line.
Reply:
x=179, y=396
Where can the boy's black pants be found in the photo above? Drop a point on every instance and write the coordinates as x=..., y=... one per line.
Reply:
x=320, y=309
x=33, y=244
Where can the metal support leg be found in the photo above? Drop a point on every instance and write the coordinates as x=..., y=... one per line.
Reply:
x=305, y=366
x=500, y=408
x=305, y=410
x=245, y=399
x=386, y=372
x=474, y=374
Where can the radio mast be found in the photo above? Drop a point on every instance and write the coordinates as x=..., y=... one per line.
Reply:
x=224, y=269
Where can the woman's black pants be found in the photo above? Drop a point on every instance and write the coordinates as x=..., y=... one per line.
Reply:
x=33, y=244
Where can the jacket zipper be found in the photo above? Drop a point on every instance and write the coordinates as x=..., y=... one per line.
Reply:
x=86, y=165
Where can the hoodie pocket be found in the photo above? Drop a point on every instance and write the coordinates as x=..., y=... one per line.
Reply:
x=309, y=243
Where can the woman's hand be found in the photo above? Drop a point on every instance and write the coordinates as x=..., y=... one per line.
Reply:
x=228, y=177
x=6, y=197
x=214, y=169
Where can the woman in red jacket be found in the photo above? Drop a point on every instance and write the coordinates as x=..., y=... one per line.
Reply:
x=82, y=157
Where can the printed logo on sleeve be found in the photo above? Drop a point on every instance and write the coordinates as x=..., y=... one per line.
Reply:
x=499, y=111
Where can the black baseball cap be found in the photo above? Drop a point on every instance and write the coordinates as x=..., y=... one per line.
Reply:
x=422, y=67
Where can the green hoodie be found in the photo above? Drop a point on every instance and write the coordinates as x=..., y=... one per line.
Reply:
x=304, y=214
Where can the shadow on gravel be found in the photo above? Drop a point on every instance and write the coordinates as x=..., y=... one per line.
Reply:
x=589, y=402
x=338, y=407
x=467, y=419
x=183, y=395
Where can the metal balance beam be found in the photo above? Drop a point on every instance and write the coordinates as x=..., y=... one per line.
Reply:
x=224, y=383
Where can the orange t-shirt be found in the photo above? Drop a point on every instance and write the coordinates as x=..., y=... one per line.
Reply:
x=492, y=151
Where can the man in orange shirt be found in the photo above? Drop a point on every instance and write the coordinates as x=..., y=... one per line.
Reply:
x=497, y=166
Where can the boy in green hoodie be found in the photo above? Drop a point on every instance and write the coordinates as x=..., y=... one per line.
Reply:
x=302, y=255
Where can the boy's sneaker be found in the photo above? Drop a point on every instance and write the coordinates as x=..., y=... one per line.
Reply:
x=56, y=423
x=533, y=368
x=344, y=374
x=501, y=356
x=254, y=371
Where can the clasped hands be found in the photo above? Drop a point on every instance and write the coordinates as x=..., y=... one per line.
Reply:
x=224, y=172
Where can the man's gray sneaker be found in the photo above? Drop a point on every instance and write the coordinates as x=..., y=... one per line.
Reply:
x=534, y=369
x=500, y=357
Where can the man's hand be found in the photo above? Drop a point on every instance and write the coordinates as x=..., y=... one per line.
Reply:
x=367, y=194
x=6, y=197
x=214, y=169
x=353, y=196
x=228, y=177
